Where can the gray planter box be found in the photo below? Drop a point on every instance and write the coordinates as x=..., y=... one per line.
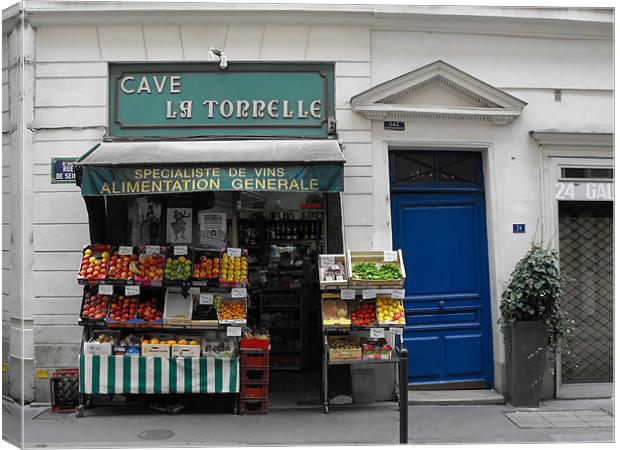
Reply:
x=526, y=355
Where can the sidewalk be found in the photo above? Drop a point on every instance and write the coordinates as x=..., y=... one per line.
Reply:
x=134, y=425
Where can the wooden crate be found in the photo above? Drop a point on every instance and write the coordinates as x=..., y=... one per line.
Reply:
x=323, y=262
x=344, y=354
x=377, y=257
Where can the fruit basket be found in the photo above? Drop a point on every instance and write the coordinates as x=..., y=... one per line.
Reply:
x=123, y=309
x=390, y=311
x=332, y=271
x=376, y=349
x=375, y=268
x=151, y=308
x=94, y=307
x=335, y=313
x=363, y=313
x=186, y=347
x=177, y=308
x=178, y=268
x=232, y=311
x=150, y=265
x=223, y=349
x=206, y=268
x=123, y=265
x=204, y=309
x=93, y=267
x=234, y=269
x=344, y=348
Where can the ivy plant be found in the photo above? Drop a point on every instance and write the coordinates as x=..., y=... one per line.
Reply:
x=535, y=293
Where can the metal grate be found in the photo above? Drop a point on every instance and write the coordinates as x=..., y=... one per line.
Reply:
x=586, y=259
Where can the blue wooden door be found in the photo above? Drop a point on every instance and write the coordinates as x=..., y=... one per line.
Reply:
x=440, y=226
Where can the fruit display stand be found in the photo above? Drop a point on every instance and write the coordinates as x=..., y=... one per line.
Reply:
x=363, y=322
x=150, y=294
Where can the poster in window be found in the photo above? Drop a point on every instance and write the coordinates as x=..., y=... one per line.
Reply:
x=179, y=225
x=212, y=229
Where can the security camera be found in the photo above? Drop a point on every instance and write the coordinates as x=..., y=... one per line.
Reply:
x=215, y=53
x=223, y=62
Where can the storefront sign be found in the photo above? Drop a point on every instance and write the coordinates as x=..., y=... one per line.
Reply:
x=177, y=179
x=603, y=191
x=247, y=99
x=63, y=170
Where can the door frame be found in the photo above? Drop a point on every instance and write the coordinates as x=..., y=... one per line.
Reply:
x=383, y=215
x=552, y=164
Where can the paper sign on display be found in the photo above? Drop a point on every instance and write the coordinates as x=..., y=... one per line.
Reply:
x=152, y=249
x=180, y=250
x=206, y=299
x=238, y=292
x=106, y=289
x=236, y=252
x=397, y=293
x=132, y=290
x=347, y=294
x=377, y=333
x=327, y=260
x=396, y=330
x=233, y=331
x=369, y=293
x=125, y=250
x=390, y=255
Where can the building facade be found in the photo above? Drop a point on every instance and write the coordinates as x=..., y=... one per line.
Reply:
x=467, y=131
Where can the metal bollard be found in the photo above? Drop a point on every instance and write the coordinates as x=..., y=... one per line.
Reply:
x=403, y=397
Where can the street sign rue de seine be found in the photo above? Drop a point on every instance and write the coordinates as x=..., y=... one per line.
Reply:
x=246, y=99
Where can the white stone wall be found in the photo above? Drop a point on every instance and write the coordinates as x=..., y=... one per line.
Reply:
x=529, y=68
x=6, y=216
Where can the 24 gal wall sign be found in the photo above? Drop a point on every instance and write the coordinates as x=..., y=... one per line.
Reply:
x=247, y=99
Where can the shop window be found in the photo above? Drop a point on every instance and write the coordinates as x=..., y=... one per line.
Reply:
x=587, y=173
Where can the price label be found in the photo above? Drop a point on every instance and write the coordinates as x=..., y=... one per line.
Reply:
x=180, y=250
x=347, y=294
x=236, y=252
x=132, y=290
x=125, y=250
x=106, y=289
x=152, y=249
x=396, y=330
x=369, y=293
x=377, y=333
x=233, y=331
x=397, y=293
x=390, y=255
x=239, y=293
x=206, y=299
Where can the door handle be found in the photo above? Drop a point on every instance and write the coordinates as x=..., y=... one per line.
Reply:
x=441, y=303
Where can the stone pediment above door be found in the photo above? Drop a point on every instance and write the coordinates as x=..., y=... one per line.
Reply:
x=438, y=91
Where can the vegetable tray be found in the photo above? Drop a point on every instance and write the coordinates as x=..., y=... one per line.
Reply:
x=376, y=257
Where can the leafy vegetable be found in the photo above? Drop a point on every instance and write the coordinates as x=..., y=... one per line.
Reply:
x=370, y=271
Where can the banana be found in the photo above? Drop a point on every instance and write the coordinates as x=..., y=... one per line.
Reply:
x=133, y=266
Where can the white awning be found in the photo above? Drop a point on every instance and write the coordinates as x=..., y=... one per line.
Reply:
x=306, y=151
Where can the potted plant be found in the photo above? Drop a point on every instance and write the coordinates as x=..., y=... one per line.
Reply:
x=533, y=320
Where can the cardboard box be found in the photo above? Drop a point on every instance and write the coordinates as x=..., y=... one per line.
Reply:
x=156, y=350
x=185, y=351
x=95, y=348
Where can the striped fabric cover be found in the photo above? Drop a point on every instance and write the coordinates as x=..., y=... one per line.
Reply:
x=119, y=374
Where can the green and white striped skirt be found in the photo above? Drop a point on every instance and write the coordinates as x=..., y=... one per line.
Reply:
x=121, y=374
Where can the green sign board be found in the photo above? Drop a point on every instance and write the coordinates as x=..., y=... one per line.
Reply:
x=197, y=100
x=164, y=179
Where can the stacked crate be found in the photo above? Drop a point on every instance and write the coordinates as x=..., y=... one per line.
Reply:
x=254, y=394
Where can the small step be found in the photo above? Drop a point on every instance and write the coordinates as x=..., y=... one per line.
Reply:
x=456, y=397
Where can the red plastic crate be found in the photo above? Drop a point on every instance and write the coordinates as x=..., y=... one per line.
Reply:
x=254, y=376
x=254, y=391
x=253, y=407
x=258, y=359
x=254, y=343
